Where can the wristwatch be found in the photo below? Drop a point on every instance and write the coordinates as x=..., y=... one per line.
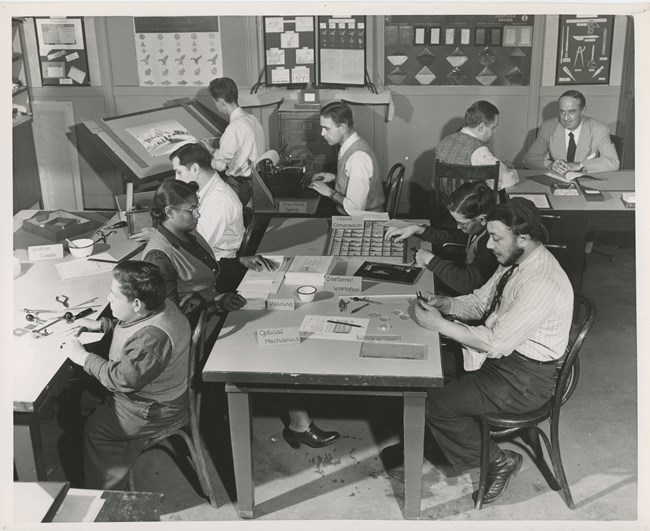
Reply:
x=582, y=167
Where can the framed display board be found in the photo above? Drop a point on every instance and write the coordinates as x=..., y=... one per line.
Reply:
x=140, y=143
x=342, y=50
x=62, y=50
x=289, y=47
x=458, y=49
x=584, y=50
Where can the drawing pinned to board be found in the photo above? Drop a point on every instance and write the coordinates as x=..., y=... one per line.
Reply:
x=169, y=46
x=161, y=138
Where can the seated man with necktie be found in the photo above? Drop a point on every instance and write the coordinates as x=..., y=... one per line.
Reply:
x=520, y=321
x=572, y=142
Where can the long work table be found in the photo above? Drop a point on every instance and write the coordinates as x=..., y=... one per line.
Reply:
x=325, y=366
x=40, y=370
x=570, y=218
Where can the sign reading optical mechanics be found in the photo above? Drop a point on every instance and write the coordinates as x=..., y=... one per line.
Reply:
x=343, y=285
x=277, y=336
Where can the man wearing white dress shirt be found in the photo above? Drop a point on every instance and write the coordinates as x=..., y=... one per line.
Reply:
x=243, y=139
x=521, y=322
x=357, y=183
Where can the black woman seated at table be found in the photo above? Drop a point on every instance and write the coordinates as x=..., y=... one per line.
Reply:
x=188, y=265
x=468, y=205
x=143, y=381
x=185, y=259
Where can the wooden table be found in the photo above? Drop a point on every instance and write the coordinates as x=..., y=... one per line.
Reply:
x=570, y=218
x=320, y=365
x=39, y=367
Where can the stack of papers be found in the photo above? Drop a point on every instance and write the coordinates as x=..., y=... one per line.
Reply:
x=328, y=327
x=81, y=267
x=308, y=270
x=256, y=286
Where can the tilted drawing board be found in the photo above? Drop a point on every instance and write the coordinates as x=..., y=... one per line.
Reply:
x=140, y=143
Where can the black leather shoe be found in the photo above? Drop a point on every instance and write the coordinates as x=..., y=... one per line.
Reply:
x=499, y=473
x=313, y=436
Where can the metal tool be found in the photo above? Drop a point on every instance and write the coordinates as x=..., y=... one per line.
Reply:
x=591, y=65
x=598, y=71
x=565, y=57
x=580, y=52
x=604, y=42
x=33, y=318
x=343, y=305
x=568, y=73
x=84, y=303
x=360, y=307
x=63, y=299
x=591, y=26
x=364, y=299
x=69, y=318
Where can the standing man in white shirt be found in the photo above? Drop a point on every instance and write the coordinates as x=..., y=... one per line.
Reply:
x=243, y=139
x=357, y=183
x=469, y=145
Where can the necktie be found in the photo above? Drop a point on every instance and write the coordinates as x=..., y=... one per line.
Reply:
x=499, y=292
x=571, y=150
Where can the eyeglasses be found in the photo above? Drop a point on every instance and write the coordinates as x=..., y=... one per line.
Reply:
x=463, y=226
x=194, y=210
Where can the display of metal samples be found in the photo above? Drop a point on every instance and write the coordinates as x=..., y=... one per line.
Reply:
x=289, y=50
x=584, y=50
x=342, y=50
x=458, y=49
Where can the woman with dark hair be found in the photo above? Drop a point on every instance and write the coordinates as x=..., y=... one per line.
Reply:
x=468, y=205
x=185, y=259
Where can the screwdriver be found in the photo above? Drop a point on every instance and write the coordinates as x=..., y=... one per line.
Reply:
x=69, y=318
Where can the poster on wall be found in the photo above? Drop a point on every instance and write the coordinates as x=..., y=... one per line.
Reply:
x=289, y=50
x=178, y=51
x=62, y=51
x=488, y=50
x=584, y=50
x=342, y=49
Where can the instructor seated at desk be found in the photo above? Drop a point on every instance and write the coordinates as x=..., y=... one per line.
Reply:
x=144, y=377
x=357, y=183
x=574, y=142
x=185, y=259
x=522, y=318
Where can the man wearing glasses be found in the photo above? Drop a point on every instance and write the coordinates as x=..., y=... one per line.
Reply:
x=469, y=145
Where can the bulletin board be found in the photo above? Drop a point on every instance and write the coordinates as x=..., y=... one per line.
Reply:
x=488, y=50
x=289, y=48
x=584, y=50
x=177, y=51
x=62, y=51
x=342, y=50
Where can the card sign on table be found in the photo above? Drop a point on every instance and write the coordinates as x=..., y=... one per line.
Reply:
x=347, y=222
x=277, y=336
x=343, y=285
x=292, y=207
x=280, y=303
x=36, y=253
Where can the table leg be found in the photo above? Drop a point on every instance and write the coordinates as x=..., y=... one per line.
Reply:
x=241, y=434
x=28, y=448
x=414, y=403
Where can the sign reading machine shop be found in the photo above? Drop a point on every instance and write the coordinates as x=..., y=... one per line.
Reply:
x=178, y=51
x=584, y=50
x=488, y=50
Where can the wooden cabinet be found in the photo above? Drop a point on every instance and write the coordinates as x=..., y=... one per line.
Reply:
x=300, y=136
x=26, y=181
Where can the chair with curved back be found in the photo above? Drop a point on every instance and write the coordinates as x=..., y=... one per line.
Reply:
x=393, y=188
x=448, y=177
x=195, y=308
x=566, y=381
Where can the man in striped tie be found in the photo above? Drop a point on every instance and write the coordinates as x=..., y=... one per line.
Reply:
x=520, y=327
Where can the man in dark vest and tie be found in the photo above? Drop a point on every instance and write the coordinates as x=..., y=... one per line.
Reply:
x=357, y=183
x=512, y=331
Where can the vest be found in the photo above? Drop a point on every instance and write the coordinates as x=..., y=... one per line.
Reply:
x=457, y=148
x=172, y=381
x=375, y=200
x=194, y=276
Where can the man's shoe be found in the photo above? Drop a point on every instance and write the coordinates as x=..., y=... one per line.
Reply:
x=313, y=436
x=392, y=456
x=499, y=473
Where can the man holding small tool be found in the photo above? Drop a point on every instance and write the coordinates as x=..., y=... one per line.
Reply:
x=573, y=141
x=144, y=379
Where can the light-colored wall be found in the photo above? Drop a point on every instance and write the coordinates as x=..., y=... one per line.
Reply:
x=423, y=115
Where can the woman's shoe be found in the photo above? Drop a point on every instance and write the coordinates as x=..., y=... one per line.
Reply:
x=313, y=436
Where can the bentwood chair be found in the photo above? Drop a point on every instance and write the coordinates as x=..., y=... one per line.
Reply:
x=448, y=177
x=566, y=381
x=393, y=188
x=188, y=429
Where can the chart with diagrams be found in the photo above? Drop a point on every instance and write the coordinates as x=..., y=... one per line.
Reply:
x=584, y=50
